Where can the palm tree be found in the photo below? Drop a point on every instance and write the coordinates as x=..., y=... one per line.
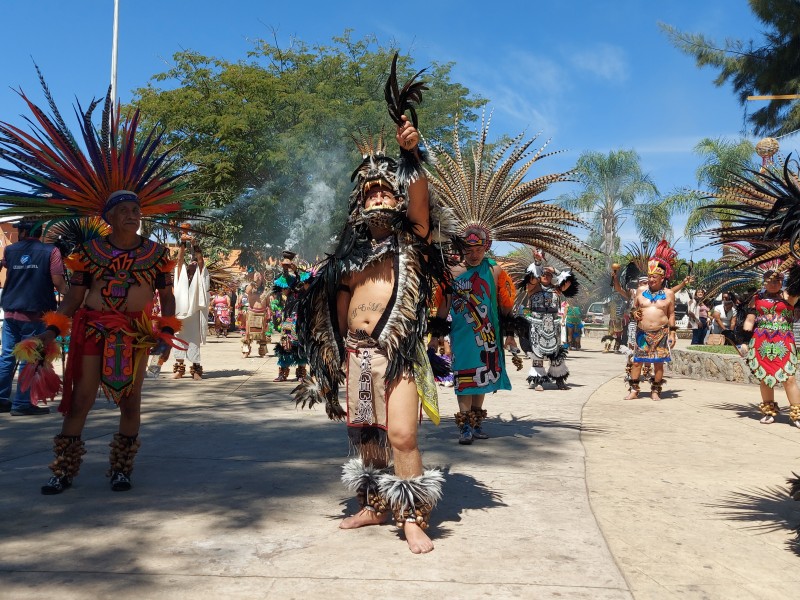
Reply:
x=721, y=158
x=614, y=188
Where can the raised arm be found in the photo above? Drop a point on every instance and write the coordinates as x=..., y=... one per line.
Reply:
x=418, y=201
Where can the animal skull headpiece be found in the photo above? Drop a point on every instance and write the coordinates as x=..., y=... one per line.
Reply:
x=376, y=170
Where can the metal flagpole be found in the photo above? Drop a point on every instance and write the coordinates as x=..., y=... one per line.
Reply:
x=114, y=55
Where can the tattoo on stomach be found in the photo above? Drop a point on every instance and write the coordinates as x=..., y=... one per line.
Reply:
x=375, y=307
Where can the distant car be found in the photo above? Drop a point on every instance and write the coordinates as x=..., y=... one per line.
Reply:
x=597, y=314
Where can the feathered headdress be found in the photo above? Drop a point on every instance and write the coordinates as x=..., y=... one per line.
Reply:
x=68, y=234
x=526, y=263
x=761, y=209
x=663, y=260
x=493, y=203
x=114, y=162
x=730, y=276
x=377, y=169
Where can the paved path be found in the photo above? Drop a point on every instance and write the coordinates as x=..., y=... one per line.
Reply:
x=237, y=496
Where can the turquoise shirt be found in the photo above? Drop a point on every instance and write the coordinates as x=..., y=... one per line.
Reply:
x=479, y=365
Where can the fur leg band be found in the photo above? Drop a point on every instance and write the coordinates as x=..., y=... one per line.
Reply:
x=362, y=480
x=412, y=500
x=633, y=385
x=656, y=386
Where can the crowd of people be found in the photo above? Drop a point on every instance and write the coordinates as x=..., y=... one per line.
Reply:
x=411, y=279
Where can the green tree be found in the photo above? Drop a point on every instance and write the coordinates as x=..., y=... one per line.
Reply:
x=269, y=137
x=770, y=66
x=615, y=188
x=720, y=158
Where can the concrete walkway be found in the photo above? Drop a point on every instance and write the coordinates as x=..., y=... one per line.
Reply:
x=237, y=495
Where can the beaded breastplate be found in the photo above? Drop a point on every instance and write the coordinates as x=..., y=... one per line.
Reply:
x=119, y=269
x=544, y=301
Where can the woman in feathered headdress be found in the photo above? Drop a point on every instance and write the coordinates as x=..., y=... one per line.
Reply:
x=120, y=174
x=762, y=209
x=491, y=202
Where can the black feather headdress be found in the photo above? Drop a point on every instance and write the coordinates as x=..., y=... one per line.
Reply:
x=761, y=209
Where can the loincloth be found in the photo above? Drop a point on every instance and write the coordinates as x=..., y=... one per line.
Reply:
x=367, y=414
x=256, y=320
x=651, y=346
x=120, y=359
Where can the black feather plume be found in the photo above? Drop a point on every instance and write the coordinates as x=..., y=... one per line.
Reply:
x=399, y=101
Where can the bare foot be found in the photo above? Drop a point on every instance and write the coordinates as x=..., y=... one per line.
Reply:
x=632, y=396
x=655, y=396
x=418, y=540
x=363, y=518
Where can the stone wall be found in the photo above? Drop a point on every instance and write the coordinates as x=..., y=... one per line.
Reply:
x=710, y=366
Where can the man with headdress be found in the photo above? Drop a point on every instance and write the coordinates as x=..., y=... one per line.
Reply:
x=192, y=286
x=544, y=290
x=287, y=286
x=258, y=316
x=121, y=176
x=654, y=313
x=365, y=310
x=33, y=270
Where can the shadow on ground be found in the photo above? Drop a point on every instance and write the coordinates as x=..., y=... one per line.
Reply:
x=764, y=509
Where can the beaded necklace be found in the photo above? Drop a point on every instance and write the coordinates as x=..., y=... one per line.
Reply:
x=659, y=295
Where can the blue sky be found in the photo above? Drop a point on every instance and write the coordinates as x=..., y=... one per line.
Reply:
x=592, y=75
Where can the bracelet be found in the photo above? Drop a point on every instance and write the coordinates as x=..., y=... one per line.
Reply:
x=673, y=328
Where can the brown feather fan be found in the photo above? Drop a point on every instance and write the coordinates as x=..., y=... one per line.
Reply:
x=487, y=189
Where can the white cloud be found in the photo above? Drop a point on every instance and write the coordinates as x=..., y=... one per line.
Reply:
x=604, y=61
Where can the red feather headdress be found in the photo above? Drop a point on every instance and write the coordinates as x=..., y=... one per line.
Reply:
x=663, y=260
x=66, y=179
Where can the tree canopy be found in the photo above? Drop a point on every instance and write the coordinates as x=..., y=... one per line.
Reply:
x=614, y=188
x=721, y=158
x=770, y=66
x=269, y=137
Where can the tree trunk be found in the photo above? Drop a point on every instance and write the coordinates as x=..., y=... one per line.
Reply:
x=608, y=241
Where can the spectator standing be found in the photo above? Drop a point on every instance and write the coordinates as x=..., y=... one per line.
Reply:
x=723, y=318
x=698, y=317
x=33, y=270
